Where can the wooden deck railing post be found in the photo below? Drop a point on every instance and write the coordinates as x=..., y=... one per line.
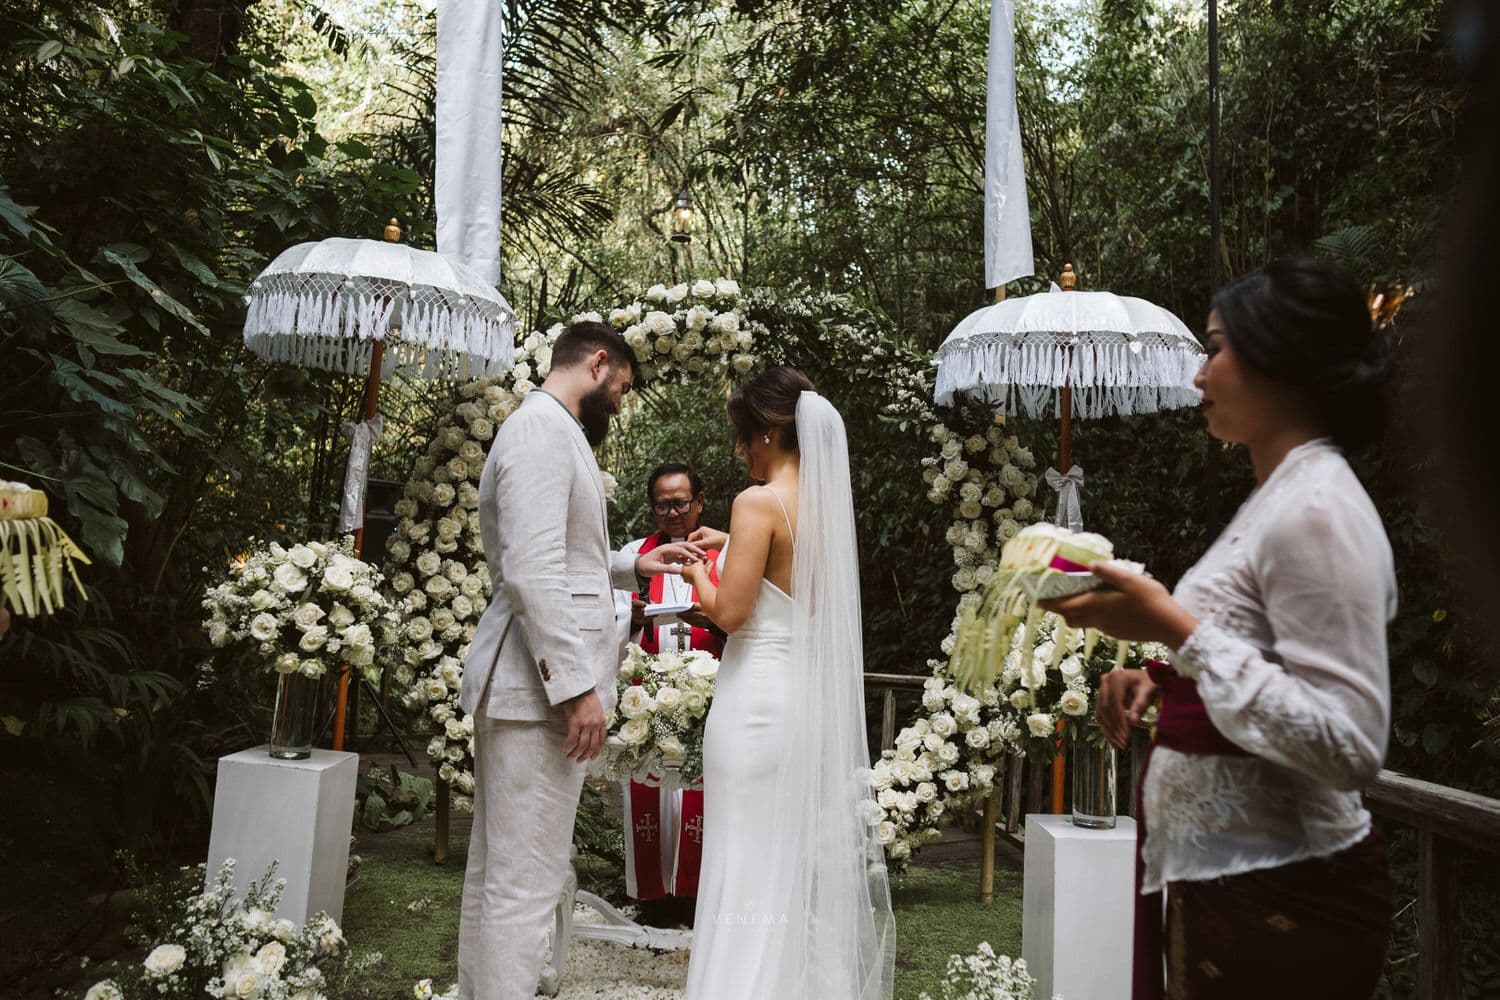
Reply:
x=888, y=720
x=1440, y=959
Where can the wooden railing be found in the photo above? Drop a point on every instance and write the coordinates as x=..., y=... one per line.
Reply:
x=1446, y=820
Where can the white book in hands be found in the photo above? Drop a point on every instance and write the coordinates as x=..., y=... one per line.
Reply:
x=668, y=611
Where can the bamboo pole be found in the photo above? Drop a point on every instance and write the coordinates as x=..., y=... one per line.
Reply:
x=987, y=848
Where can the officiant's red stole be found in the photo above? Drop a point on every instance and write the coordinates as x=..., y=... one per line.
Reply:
x=1183, y=725
x=651, y=881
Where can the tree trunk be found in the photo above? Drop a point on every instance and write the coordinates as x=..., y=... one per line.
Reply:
x=213, y=29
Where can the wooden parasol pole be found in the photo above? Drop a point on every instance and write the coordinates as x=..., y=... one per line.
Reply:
x=1068, y=281
x=992, y=801
x=372, y=406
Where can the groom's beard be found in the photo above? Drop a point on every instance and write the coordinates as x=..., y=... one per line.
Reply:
x=594, y=411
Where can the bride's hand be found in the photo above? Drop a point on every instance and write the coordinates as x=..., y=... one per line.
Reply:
x=696, y=574
x=709, y=538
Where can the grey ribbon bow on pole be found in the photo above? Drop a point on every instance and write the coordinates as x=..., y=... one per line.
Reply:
x=362, y=438
x=1068, y=487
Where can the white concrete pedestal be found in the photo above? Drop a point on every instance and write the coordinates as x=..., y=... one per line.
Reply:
x=295, y=812
x=1078, y=909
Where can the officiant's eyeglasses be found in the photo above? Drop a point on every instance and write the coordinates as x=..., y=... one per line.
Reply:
x=673, y=506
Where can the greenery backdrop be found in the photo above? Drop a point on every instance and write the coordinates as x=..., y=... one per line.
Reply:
x=154, y=154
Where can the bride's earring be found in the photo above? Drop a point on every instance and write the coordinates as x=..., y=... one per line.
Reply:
x=767, y=439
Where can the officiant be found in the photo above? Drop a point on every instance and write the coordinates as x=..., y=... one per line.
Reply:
x=664, y=828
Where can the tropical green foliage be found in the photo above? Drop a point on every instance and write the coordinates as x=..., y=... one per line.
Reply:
x=148, y=170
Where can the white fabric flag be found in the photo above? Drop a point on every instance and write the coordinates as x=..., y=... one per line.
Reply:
x=467, y=186
x=1007, y=221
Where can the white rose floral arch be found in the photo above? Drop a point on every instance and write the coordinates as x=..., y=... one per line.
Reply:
x=945, y=760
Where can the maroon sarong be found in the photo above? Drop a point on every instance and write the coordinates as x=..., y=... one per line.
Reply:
x=1314, y=928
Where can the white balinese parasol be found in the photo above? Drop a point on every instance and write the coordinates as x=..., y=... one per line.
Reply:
x=1084, y=354
x=366, y=307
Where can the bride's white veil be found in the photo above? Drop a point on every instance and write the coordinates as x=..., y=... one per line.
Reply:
x=824, y=858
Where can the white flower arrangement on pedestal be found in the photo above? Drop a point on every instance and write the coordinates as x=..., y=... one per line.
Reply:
x=231, y=947
x=1051, y=675
x=690, y=331
x=306, y=609
x=986, y=976
x=656, y=730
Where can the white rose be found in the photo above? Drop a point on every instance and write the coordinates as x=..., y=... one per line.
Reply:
x=956, y=781
x=338, y=577
x=263, y=627
x=727, y=288
x=105, y=990
x=926, y=792
x=669, y=698
x=340, y=617
x=1040, y=724
x=1074, y=703
x=672, y=751
x=677, y=293
x=262, y=599
x=1020, y=699
x=1071, y=667
x=635, y=703
x=948, y=753
x=289, y=579
x=695, y=703
x=242, y=976
x=885, y=832
x=165, y=959
x=428, y=563
x=306, y=616
x=943, y=725
x=302, y=557
x=272, y=956
x=703, y=289
x=284, y=930
x=423, y=989
x=635, y=731
x=435, y=689
x=656, y=293
x=978, y=738
x=312, y=669
x=701, y=664
x=286, y=663
x=313, y=639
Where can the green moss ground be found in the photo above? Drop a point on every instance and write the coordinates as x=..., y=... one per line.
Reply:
x=937, y=914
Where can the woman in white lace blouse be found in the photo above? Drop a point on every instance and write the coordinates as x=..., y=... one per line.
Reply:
x=1276, y=709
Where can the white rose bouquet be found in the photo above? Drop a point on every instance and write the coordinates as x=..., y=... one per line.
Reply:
x=656, y=729
x=1052, y=675
x=222, y=945
x=308, y=609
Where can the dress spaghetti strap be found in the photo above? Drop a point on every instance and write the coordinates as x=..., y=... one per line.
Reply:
x=790, y=530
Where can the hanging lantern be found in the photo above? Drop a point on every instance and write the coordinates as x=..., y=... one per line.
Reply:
x=682, y=217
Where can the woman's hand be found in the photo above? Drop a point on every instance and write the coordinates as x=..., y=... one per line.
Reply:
x=709, y=538
x=1130, y=606
x=696, y=574
x=1124, y=696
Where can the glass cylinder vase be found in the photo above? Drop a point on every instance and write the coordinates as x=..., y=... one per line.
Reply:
x=1093, y=784
x=295, y=716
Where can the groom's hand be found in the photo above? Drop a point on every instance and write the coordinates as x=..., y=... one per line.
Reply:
x=667, y=559
x=585, y=727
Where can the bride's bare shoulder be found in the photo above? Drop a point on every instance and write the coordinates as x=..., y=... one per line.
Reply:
x=755, y=500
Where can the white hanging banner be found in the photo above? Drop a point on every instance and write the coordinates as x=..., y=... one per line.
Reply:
x=467, y=183
x=1007, y=221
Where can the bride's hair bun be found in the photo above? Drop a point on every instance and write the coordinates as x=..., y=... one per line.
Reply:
x=769, y=400
x=1304, y=323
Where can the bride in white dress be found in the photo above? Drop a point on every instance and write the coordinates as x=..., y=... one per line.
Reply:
x=793, y=900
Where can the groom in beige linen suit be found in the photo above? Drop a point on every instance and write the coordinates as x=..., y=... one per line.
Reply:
x=540, y=674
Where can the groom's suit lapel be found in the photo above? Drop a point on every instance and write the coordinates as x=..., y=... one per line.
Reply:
x=591, y=464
